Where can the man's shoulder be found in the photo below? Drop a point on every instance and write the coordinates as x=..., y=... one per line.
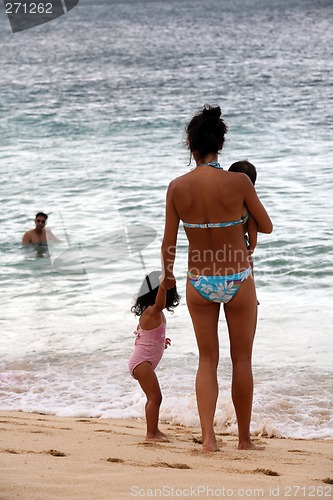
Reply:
x=27, y=236
x=28, y=233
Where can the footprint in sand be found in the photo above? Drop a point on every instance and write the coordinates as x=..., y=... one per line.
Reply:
x=10, y=450
x=171, y=466
x=151, y=444
x=115, y=460
x=267, y=472
x=299, y=452
x=55, y=453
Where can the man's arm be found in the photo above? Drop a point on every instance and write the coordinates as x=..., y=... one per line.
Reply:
x=26, y=238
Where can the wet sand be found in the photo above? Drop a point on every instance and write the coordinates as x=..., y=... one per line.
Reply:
x=45, y=457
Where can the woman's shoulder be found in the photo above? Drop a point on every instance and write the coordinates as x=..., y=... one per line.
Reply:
x=180, y=181
x=239, y=178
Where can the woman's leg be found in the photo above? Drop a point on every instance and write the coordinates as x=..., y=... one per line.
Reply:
x=241, y=316
x=148, y=381
x=205, y=317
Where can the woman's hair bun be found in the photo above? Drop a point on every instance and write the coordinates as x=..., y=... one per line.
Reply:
x=212, y=114
x=206, y=131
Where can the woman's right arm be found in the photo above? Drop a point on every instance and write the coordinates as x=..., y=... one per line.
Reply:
x=255, y=207
x=168, y=248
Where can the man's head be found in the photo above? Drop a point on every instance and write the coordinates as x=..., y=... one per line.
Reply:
x=40, y=220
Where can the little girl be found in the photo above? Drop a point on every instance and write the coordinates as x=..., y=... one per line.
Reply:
x=150, y=343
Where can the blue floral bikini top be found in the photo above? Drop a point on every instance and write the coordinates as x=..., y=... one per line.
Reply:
x=215, y=224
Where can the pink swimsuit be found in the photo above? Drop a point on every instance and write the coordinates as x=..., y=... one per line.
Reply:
x=149, y=346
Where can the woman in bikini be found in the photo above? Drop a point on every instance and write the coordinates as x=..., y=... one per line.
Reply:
x=209, y=201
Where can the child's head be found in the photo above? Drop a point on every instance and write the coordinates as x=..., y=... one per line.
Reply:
x=245, y=167
x=148, y=291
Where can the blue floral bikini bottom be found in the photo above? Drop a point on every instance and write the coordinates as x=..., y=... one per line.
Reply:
x=219, y=288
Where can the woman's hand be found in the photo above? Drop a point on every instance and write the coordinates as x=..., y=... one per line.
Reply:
x=168, y=282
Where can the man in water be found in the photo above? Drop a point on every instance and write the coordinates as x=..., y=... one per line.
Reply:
x=40, y=235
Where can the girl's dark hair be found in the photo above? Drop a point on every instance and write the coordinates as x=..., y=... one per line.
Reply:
x=148, y=291
x=206, y=131
x=245, y=167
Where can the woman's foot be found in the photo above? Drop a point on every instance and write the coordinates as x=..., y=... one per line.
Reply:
x=210, y=444
x=157, y=437
x=210, y=447
x=248, y=445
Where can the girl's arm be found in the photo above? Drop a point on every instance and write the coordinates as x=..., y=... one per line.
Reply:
x=151, y=316
x=255, y=207
x=160, y=301
x=168, y=248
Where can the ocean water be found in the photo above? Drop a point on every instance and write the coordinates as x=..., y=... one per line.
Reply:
x=93, y=107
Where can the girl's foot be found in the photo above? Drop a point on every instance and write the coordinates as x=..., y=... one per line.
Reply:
x=158, y=437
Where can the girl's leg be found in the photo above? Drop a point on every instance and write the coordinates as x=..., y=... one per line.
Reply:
x=147, y=379
x=205, y=316
x=241, y=316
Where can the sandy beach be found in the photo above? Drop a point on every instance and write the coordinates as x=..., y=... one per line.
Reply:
x=46, y=457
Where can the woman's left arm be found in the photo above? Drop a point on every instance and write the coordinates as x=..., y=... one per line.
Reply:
x=169, y=242
x=255, y=207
